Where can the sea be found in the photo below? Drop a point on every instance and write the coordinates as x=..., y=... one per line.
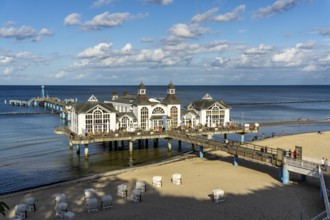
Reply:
x=32, y=155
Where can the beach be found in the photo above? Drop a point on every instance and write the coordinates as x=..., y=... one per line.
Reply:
x=252, y=189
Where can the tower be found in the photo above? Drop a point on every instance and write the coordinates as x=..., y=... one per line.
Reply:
x=142, y=89
x=42, y=91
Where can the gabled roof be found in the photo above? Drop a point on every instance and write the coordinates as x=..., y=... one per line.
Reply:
x=87, y=106
x=185, y=112
x=171, y=99
x=129, y=114
x=142, y=99
x=126, y=99
x=206, y=103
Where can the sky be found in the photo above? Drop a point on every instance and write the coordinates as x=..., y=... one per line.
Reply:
x=186, y=42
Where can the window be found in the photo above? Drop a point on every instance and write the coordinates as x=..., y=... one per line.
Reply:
x=215, y=116
x=158, y=111
x=174, y=116
x=144, y=118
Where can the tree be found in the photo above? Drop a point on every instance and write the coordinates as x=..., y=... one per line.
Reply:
x=3, y=207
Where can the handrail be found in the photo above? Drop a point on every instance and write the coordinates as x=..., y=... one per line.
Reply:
x=325, y=194
x=301, y=163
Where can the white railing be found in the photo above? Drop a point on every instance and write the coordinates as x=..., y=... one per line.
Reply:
x=301, y=163
x=325, y=195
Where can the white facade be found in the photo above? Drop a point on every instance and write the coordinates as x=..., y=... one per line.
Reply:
x=206, y=112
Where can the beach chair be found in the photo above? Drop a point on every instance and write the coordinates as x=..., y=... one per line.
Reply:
x=69, y=216
x=91, y=205
x=106, y=202
x=60, y=198
x=61, y=208
x=218, y=195
x=141, y=185
x=30, y=204
x=136, y=195
x=157, y=181
x=122, y=190
x=20, y=211
x=90, y=193
x=176, y=179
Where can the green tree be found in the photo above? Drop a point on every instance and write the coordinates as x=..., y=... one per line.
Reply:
x=3, y=207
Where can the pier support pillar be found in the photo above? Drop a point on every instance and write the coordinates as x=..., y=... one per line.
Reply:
x=110, y=145
x=242, y=138
x=155, y=142
x=78, y=149
x=139, y=143
x=116, y=145
x=284, y=175
x=201, y=152
x=130, y=144
x=70, y=145
x=147, y=143
x=193, y=147
x=122, y=143
x=179, y=145
x=86, y=151
x=169, y=144
x=235, y=160
x=225, y=138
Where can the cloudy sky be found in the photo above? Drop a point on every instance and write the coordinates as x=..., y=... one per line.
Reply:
x=188, y=42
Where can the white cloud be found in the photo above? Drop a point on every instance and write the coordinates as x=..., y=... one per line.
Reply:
x=261, y=49
x=279, y=6
x=208, y=15
x=106, y=20
x=61, y=74
x=230, y=16
x=310, y=68
x=289, y=56
x=127, y=48
x=307, y=46
x=100, y=3
x=8, y=71
x=96, y=51
x=72, y=19
x=147, y=40
x=23, y=32
x=4, y=60
x=160, y=2
x=46, y=32
x=186, y=31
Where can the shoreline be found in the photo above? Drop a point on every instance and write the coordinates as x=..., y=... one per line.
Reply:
x=159, y=163
x=248, y=188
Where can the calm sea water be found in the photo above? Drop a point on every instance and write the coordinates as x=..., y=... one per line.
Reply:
x=32, y=155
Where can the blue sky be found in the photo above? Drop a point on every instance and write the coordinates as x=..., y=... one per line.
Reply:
x=188, y=42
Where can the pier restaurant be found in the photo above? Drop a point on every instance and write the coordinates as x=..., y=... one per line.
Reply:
x=131, y=112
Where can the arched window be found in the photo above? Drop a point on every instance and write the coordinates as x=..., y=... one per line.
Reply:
x=158, y=111
x=124, y=122
x=174, y=116
x=97, y=116
x=144, y=118
x=215, y=116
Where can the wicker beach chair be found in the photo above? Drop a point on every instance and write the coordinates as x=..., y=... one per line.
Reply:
x=157, y=181
x=106, y=202
x=122, y=190
x=136, y=195
x=91, y=205
x=176, y=179
x=218, y=195
x=30, y=204
x=141, y=185
x=21, y=211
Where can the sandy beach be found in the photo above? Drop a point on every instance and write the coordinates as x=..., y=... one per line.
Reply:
x=252, y=189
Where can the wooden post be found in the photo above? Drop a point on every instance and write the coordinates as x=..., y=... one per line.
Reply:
x=169, y=144
x=86, y=151
x=130, y=143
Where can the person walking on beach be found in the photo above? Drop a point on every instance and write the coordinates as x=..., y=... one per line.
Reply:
x=294, y=154
x=290, y=152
